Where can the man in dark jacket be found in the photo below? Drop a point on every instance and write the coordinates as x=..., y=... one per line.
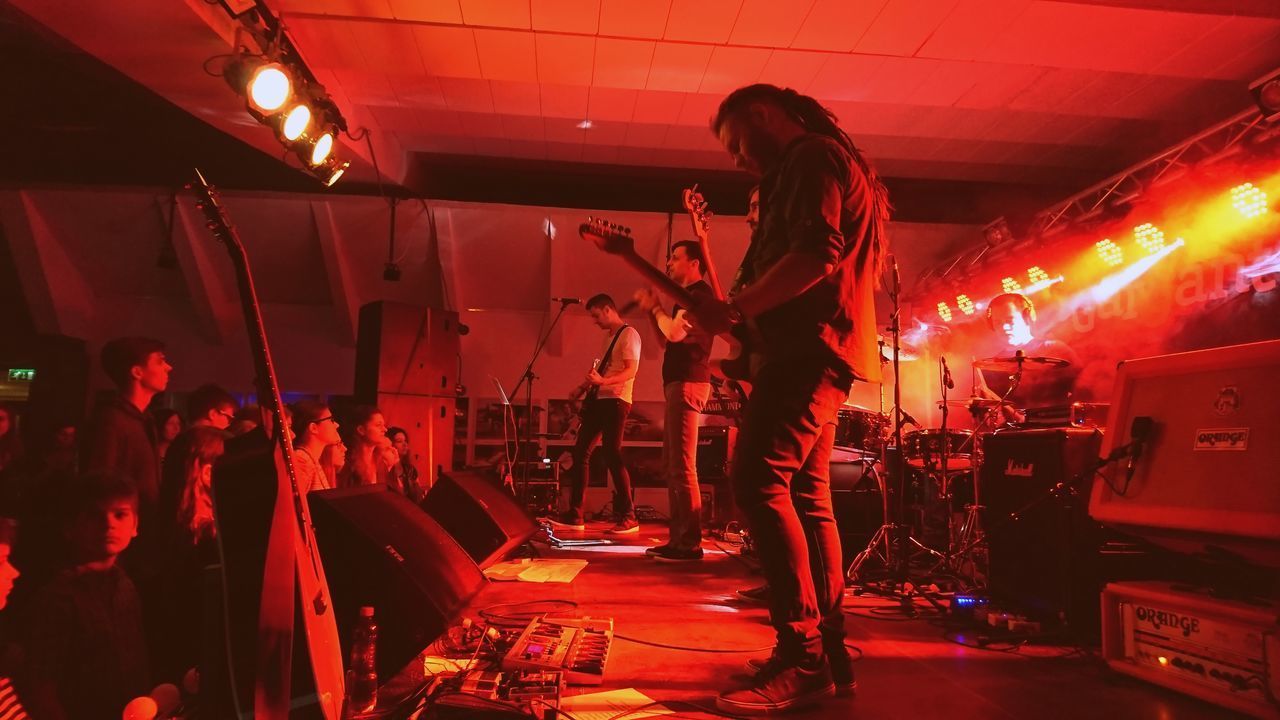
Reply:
x=120, y=436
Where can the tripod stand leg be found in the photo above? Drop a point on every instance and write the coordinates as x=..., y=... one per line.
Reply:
x=884, y=534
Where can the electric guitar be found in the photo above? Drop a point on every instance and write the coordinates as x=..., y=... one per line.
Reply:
x=737, y=366
x=617, y=240
x=292, y=555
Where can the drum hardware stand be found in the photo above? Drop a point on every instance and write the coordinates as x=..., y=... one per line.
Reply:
x=890, y=542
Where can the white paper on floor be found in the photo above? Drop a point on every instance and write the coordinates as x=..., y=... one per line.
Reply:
x=536, y=570
x=613, y=703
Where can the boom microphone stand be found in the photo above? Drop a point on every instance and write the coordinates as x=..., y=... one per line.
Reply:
x=526, y=380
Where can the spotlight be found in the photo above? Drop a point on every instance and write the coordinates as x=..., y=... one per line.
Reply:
x=1036, y=275
x=269, y=88
x=1266, y=93
x=295, y=122
x=1010, y=285
x=944, y=312
x=1110, y=253
x=1149, y=237
x=320, y=149
x=330, y=171
x=1249, y=200
x=965, y=304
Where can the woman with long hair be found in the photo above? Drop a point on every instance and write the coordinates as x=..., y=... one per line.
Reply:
x=168, y=426
x=314, y=430
x=371, y=455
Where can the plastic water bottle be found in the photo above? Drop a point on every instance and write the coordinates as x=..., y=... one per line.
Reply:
x=362, y=672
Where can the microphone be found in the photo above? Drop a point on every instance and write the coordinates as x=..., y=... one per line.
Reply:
x=908, y=420
x=946, y=374
x=567, y=300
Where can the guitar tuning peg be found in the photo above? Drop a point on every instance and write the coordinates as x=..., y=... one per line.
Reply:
x=211, y=225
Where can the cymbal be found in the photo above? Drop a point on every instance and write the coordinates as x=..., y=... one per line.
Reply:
x=1021, y=362
x=906, y=353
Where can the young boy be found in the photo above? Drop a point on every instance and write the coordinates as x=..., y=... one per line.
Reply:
x=86, y=654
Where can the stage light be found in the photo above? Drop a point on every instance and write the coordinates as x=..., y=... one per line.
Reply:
x=330, y=170
x=1036, y=275
x=320, y=149
x=1149, y=237
x=269, y=88
x=1266, y=93
x=296, y=122
x=1010, y=285
x=1249, y=200
x=944, y=312
x=1105, y=289
x=965, y=304
x=1110, y=253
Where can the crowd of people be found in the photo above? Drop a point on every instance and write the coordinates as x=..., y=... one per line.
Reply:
x=111, y=521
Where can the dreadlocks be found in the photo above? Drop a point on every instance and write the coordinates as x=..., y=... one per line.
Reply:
x=812, y=116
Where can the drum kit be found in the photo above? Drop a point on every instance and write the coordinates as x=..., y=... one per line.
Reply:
x=940, y=466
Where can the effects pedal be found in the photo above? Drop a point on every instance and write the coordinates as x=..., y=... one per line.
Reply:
x=579, y=647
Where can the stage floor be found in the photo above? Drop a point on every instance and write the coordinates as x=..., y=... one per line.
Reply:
x=908, y=669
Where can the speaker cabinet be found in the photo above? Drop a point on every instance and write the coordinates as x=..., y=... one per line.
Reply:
x=406, y=350
x=381, y=550
x=480, y=515
x=715, y=451
x=1043, y=547
x=430, y=422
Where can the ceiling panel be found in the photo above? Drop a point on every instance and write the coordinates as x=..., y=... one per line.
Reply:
x=565, y=59
x=507, y=55
x=615, y=104
x=467, y=95
x=387, y=47
x=702, y=21
x=660, y=107
x=496, y=13
x=516, y=98
x=622, y=63
x=642, y=135
x=731, y=68
x=448, y=51
x=903, y=26
x=523, y=128
x=845, y=77
x=769, y=23
x=678, y=66
x=792, y=68
x=570, y=16
x=836, y=25
x=971, y=26
x=564, y=101
x=441, y=11
x=628, y=18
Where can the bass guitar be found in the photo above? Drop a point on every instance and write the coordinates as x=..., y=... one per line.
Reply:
x=293, y=574
x=616, y=240
x=738, y=366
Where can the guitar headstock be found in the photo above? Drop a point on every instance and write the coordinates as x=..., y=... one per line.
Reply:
x=609, y=237
x=209, y=203
x=699, y=215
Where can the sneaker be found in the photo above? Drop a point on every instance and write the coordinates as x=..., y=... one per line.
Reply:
x=567, y=521
x=759, y=593
x=778, y=687
x=656, y=550
x=841, y=665
x=625, y=527
x=678, y=554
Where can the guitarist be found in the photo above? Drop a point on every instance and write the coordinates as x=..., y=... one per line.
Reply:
x=809, y=279
x=604, y=413
x=686, y=380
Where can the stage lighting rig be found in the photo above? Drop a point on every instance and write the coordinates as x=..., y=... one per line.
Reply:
x=1266, y=93
x=281, y=92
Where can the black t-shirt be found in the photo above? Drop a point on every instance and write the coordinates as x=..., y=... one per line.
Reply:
x=690, y=359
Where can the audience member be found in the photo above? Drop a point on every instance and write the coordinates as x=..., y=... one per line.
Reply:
x=174, y=606
x=314, y=430
x=10, y=707
x=85, y=652
x=332, y=461
x=245, y=419
x=404, y=476
x=120, y=435
x=211, y=406
x=372, y=455
x=10, y=442
x=168, y=426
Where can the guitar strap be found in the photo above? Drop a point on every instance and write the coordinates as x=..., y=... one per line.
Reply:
x=604, y=362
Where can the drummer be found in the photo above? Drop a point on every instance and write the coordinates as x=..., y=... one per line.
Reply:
x=1013, y=316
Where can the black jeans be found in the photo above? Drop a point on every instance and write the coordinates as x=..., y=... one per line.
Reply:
x=781, y=480
x=602, y=418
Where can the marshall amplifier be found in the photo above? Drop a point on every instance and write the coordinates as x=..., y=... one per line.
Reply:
x=1043, y=548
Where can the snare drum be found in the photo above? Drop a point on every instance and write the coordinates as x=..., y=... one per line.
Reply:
x=923, y=449
x=860, y=429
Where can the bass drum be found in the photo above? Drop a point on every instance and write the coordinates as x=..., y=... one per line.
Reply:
x=860, y=429
x=923, y=449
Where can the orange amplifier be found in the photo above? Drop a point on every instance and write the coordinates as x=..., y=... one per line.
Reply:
x=1224, y=651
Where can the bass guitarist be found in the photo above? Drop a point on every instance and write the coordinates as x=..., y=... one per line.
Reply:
x=604, y=414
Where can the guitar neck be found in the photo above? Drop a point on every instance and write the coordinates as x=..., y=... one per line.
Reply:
x=713, y=278
x=664, y=284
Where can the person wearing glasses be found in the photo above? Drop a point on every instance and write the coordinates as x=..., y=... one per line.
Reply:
x=211, y=406
x=314, y=430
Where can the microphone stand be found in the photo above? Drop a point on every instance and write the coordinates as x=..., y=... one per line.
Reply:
x=526, y=380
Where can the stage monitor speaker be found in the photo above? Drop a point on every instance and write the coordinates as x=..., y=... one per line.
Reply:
x=480, y=515
x=430, y=422
x=406, y=350
x=381, y=550
x=715, y=451
x=1043, y=548
x=859, y=509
